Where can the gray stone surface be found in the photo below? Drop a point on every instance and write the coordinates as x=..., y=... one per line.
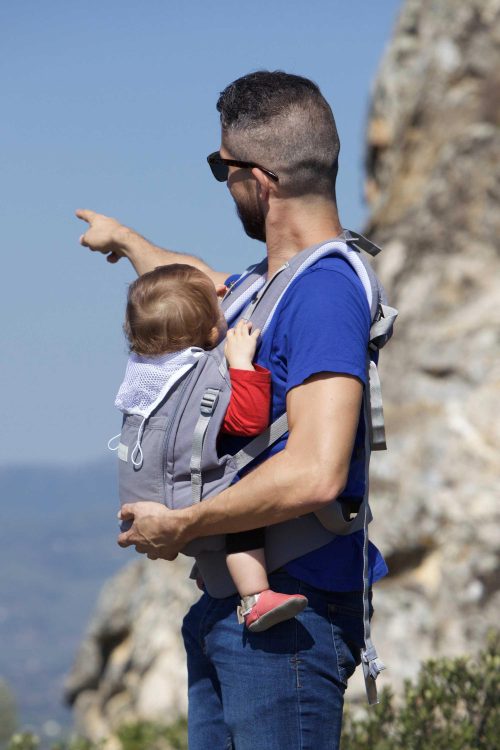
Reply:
x=131, y=663
x=433, y=184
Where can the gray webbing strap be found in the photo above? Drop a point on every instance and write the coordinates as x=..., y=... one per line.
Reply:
x=223, y=367
x=381, y=329
x=376, y=424
x=360, y=242
x=372, y=665
x=259, y=444
x=249, y=310
x=240, y=293
x=207, y=407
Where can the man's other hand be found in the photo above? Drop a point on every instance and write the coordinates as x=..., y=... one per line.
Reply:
x=104, y=234
x=156, y=531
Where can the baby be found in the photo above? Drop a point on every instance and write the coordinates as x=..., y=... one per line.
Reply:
x=168, y=311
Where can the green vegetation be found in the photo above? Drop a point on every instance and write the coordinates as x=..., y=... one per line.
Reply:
x=140, y=736
x=454, y=705
x=153, y=737
x=8, y=719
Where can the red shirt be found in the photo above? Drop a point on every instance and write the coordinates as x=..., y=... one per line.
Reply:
x=250, y=404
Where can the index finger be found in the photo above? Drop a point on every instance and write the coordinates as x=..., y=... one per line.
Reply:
x=86, y=214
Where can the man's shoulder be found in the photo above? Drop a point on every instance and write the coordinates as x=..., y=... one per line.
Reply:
x=330, y=281
x=334, y=269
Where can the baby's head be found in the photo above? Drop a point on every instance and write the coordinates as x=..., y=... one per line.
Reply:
x=172, y=308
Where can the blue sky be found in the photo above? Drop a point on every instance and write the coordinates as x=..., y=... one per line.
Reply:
x=111, y=105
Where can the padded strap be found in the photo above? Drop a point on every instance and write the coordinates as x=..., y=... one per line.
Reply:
x=243, y=291
x=207, y=408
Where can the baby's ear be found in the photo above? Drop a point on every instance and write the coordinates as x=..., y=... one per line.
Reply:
x=213, y=338
x=221, y=289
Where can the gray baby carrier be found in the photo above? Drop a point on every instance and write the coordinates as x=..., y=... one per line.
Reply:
x=170, y=454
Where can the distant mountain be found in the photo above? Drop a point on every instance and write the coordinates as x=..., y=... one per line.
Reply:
x=58, y=545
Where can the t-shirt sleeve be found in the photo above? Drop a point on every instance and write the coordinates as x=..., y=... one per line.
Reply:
x=248, y=411
x=325, y=324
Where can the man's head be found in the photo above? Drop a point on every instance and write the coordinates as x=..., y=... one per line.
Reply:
x=283, y=123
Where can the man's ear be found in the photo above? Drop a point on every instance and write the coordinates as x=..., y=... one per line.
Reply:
x=263, y=182
x=221, y=290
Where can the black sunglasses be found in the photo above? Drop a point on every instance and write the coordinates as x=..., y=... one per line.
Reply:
x=220, y=167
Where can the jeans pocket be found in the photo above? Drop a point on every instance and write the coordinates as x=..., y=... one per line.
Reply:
x=348, y=635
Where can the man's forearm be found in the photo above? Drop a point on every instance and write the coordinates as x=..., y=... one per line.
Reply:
x=108, y=236
x=145, y=256
x=279, y=489
x=309, y=473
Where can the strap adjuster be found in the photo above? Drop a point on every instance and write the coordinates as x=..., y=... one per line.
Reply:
x=209, y=402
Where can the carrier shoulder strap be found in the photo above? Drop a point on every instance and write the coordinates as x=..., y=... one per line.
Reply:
x=254, y=298
x=263, y=302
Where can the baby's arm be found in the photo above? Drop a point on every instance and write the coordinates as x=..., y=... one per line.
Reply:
x=241, y=343
x=249, y=407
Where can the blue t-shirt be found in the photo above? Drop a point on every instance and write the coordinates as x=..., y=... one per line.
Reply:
x=322, y=324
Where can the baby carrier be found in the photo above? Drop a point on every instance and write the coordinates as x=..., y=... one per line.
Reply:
x=168, y=443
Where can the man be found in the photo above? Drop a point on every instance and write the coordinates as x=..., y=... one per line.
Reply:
x=283, y=688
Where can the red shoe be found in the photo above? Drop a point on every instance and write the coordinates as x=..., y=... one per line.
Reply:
x=262, y=611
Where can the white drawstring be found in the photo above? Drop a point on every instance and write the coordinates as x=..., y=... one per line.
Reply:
x=110, y=442
x=137, y=447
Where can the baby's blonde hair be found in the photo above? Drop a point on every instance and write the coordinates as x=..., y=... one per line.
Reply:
x=171, y=308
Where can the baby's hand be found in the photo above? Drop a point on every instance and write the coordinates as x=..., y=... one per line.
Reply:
x=241, y=343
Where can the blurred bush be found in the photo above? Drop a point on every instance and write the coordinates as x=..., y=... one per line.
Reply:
x=455, y=705
x=8, y=714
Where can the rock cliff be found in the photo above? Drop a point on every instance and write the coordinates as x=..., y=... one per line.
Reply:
x=131, y=664
x=433, y=187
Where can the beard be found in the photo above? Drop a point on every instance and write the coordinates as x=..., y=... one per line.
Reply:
x=252, y=217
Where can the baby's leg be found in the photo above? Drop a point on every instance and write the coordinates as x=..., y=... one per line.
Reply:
x=260, y=607
x=246, y=561
x=248, y=571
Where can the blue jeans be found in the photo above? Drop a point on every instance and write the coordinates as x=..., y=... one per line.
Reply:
x=282, y=688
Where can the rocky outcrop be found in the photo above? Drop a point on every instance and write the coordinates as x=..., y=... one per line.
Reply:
x=131, y=664
x=433, y=186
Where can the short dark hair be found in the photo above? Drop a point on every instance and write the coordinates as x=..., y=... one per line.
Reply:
x=283, y=122
x=171, y=308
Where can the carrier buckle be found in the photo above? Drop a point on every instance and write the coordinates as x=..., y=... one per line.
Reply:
x=209, y=402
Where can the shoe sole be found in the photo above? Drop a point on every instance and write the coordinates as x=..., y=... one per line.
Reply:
x=285, y=611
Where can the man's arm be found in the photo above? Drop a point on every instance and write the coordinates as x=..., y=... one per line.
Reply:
x=309, y=473
x=106, y=235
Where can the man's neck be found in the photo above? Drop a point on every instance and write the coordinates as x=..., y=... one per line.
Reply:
x=293, y=225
